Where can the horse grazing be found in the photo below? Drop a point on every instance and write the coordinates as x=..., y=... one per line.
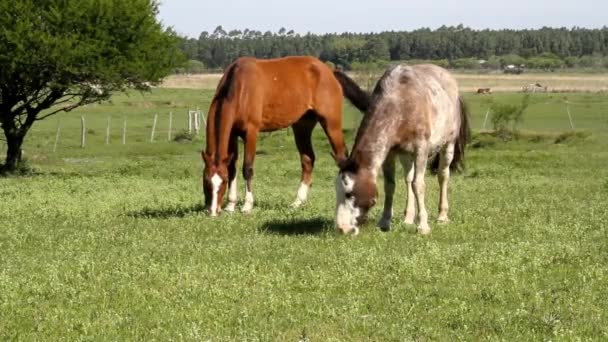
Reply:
x=415, y=113
x=256, y=95
x=484, y=91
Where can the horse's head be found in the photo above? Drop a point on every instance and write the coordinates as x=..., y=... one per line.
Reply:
x=215, y=181
x=356, y=193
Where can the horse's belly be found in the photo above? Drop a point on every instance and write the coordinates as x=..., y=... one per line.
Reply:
x=280, y=116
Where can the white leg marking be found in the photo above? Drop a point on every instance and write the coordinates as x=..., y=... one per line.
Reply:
x=248, y=206
x=301, y=196
x=216, y=181
x=232, y=196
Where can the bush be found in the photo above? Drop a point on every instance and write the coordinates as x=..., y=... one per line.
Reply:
x=572, y=136
x=183, y=136
x=506, y=117
x=192, y=67
x=465, y=63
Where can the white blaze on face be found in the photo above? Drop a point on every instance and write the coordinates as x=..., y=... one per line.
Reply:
x=346, y=212
x=216, y=181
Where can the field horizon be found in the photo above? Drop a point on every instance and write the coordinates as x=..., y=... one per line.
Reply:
x=468, y=82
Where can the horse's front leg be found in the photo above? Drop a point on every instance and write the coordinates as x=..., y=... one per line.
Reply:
x=388, y=170
x=251, y=138
x=302, y=132
x=233, y=150
x=420, y=188
x=410, y=207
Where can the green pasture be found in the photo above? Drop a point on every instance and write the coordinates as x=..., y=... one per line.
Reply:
x=109, y=242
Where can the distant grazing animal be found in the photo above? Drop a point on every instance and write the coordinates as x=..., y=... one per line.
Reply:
x=415, y=113
x=534, y=88
x=256, y=95
x=484, y=91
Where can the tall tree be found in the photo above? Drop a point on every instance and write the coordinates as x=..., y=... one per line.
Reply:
x=57, y=55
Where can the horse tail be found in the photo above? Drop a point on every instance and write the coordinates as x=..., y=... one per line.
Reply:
x=464, y=136
x=357, y=96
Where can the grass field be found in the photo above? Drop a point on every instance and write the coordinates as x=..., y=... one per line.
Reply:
x=109, y=242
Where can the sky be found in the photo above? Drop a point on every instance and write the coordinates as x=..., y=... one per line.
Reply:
x=191, y=17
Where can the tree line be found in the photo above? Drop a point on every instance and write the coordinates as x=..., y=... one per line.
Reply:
x=455, y=46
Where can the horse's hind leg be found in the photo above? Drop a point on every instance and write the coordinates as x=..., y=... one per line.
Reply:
x=233, y=149
x=443, y=175
x=302, y=132
x=388, y=170
x=410, y=207
x=251, y=139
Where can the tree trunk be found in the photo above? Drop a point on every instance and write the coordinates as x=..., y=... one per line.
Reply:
x=14, y=140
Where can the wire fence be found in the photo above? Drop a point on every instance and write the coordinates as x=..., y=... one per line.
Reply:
x=97, y=130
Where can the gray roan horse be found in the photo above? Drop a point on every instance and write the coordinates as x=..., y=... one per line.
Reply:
x=415, y=113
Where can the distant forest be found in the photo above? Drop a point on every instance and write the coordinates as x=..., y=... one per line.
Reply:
x=455, y=47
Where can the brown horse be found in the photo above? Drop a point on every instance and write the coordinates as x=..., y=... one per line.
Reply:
x=484, y=91
x=257, y=95
x=415, y=112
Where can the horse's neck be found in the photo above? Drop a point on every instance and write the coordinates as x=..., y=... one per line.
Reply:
x=373, y=146
x=219, y=127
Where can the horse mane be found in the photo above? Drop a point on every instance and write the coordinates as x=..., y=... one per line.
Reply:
x=464, y=136
x=224, y=88
x=224, y=91
x=377, y=93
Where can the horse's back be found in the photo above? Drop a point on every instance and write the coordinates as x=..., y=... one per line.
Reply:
x=279, y=91
x=297, y=71
x=428, y=97
x=442, y=90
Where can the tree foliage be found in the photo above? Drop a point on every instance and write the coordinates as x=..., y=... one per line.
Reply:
x=56, y=55
x=458, y=45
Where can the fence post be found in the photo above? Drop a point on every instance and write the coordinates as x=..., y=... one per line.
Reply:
x=108, y=131
x=57, y=135
x=569, y=116
x=204, y=120
x=82, y=132
x=485, y=119
x=189, y=121
x=124, y=131
x=170, y=126
x=153, y=128
x=196, y=122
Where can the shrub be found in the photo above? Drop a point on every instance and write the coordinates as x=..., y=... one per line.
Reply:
x=183, y=136
x=506, y=117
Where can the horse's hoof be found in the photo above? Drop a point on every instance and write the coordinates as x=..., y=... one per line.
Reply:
x=385, y=229
x=230, y=208
x=297, y=203
x=408, y=220
x=443, y=220
x=246, y=209
x=384, y=225
x=424, y=230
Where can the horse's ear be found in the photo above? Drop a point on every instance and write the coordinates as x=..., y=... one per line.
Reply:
x=340, y=161
x=228, y=159
x=206, y=157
